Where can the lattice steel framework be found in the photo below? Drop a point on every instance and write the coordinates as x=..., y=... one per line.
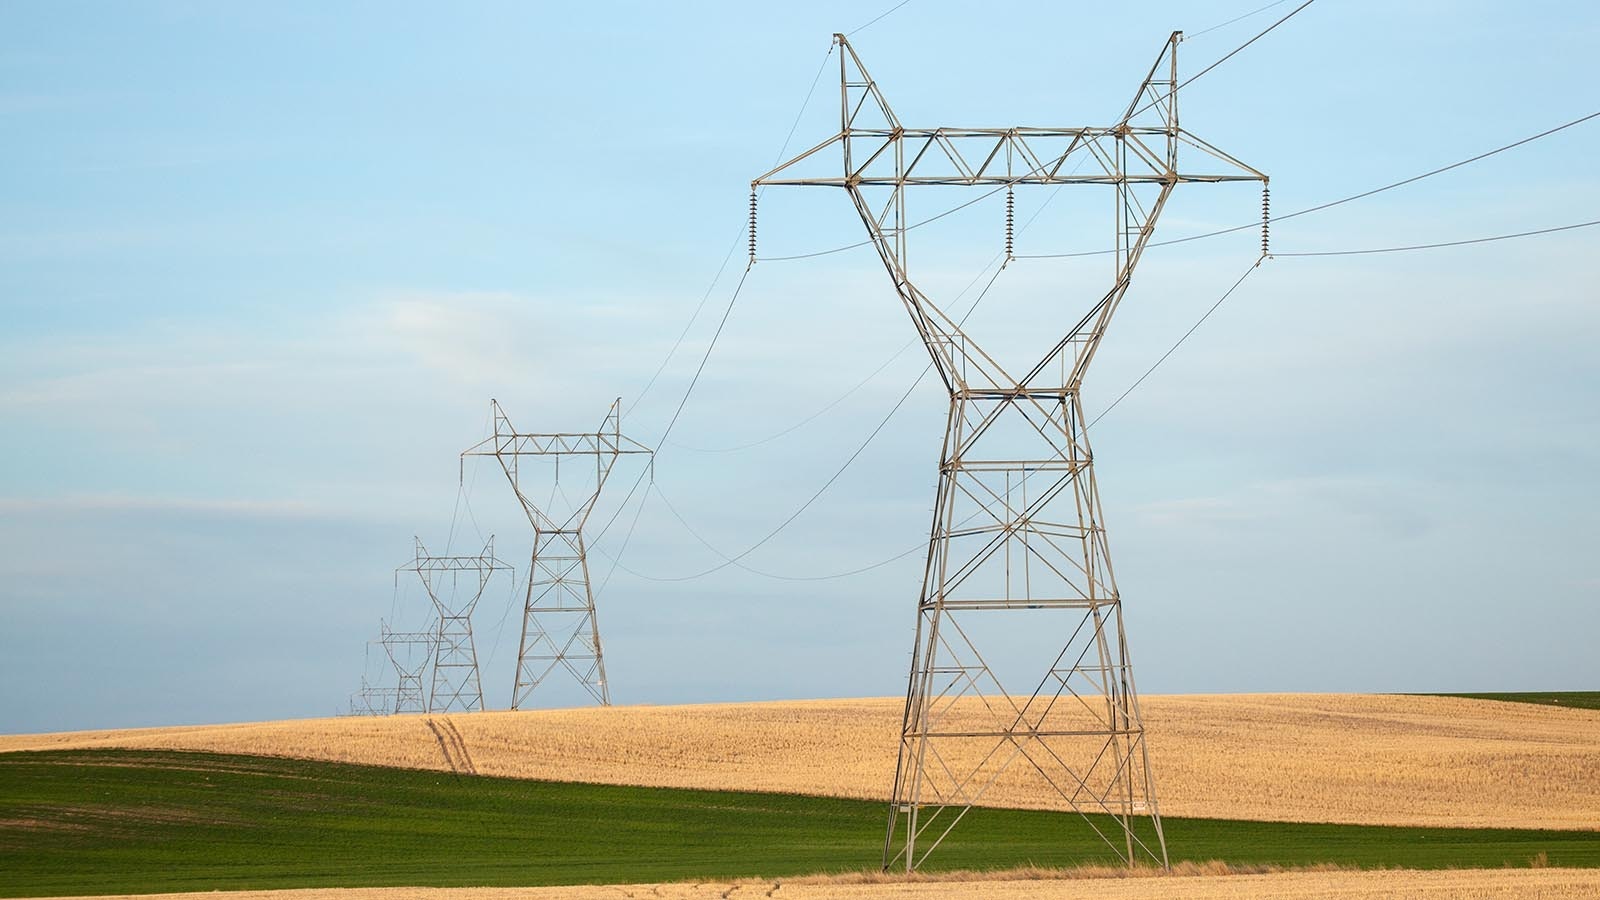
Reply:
x=372, y=701
x=455, y=584
x=1017, y=547
x=410, y=652
x=559, y=625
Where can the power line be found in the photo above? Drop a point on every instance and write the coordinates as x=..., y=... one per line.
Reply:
x=1455, y=165
x=695, y=316
x=735, y=560
x=808, y=419
x=774, y=575
x=931, y=219
x=1190, y=37
x=1170, y=350
x=896, y=355
x=810, y=91
x=705, y=356
x=701, y=305
x=1461, y=243
x=681, y=402
x=880, y=17
x=1227, y=56
x=625, y=540
x=1332, y=203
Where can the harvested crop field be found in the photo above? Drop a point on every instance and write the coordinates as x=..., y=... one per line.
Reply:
x=1459, y=884
x=1359, y=759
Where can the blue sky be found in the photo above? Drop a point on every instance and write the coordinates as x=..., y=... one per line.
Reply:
x=262, y=268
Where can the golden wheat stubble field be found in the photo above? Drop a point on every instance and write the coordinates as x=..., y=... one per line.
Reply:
x=1359, y=759
x=1461, y=884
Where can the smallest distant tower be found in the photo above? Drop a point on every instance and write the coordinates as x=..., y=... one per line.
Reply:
x=372, y=701
x=454, y=585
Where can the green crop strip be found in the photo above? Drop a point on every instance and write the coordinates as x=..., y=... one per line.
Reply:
x=127, y=821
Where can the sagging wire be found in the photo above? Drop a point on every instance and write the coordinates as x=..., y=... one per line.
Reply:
x=1254, y=12
x=1170, y=350
x=1342, y=200
x=734, y=245
x=880, y=17
x=1435, y=246
x=1225, y=57
x=736, y=560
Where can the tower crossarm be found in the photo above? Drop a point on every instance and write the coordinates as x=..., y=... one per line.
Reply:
x=455, y=564
x=1014, y=156
x=397, y=638
x=1139, y=149
x=424, y=562
x=395, y=644
x=508, y=441
x=606, y=444
x=1142, y=156
x=554, y=445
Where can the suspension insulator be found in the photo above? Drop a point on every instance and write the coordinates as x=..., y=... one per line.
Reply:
x=752, y=226
x=1011, y=217
x=1266, y=217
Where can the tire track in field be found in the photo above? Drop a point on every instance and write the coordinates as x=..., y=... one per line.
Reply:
x=444, y=750
x=452, y=748
x=460, y=743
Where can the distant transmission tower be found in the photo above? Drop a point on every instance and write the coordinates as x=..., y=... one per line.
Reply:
x=409, y=652
x=455, y=584
x=372, y=701
x=559, y=627
x=1017, y=548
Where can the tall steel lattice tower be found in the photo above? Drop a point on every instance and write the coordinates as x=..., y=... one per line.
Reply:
x=559, y=626
x=1017, y=548
x=409, y=652
x=455, y=584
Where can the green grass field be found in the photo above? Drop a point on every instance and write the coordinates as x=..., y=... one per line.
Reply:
x=1577, y=699
x=122, y=821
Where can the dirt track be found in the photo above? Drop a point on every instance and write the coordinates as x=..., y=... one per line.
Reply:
x=1464, y=884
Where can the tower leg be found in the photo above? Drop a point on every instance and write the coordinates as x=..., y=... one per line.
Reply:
x=1021, y=691
x=559, y=626
x=457, y=686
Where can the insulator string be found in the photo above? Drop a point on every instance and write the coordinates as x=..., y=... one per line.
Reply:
x=752, y=226
x=1011, y=218
x=1266, y=218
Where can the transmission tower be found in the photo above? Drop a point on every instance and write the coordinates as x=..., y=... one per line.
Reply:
x=372, y=701
x=559, y=627
x=409, y=652
x=454, y=584
x=1017, y=548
